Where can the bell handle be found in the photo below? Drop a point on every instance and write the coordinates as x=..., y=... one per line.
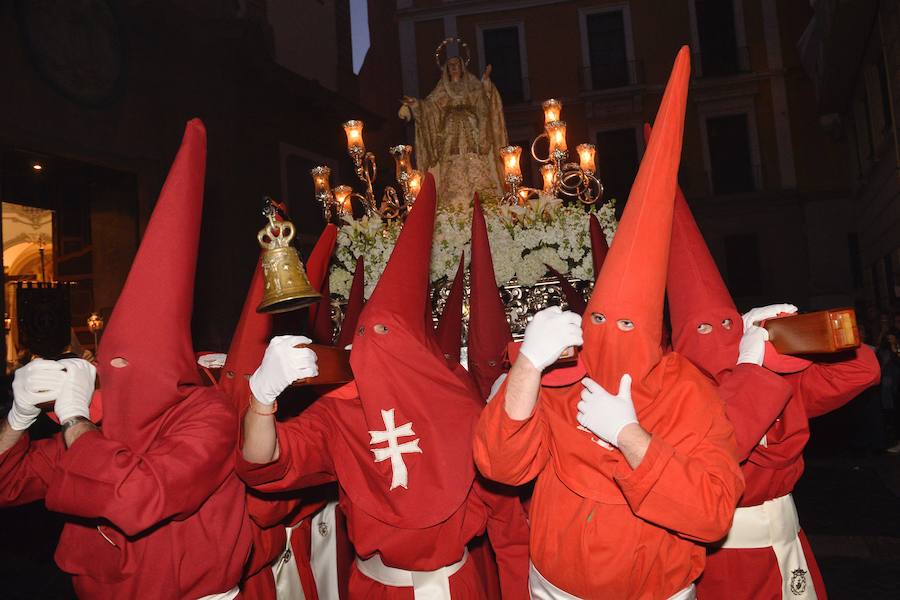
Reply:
x=269, y=239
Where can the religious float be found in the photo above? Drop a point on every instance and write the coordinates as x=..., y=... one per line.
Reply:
x=461, y=140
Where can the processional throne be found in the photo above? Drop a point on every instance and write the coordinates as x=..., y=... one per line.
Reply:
x=461, y=139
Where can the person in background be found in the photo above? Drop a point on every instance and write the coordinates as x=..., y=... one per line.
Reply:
x=152, y=504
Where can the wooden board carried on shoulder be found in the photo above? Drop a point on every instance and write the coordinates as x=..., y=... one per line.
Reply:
x=821, y=332
x=334, y=366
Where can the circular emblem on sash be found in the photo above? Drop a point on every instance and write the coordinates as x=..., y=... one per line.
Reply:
x=798, y=582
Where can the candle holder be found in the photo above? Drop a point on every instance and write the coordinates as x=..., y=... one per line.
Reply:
x=340, y=200
x=548, y=175
x=405, y=173
x=552, y=110
x=586, y=154
x=562, y=178
x=516, y=193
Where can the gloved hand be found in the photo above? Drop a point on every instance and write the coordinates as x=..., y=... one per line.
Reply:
x=75, y=396
x=551, y=331
x=282, y=364
x=755, y=315
x=37, y=382
x=753, y=342
x=602, y=413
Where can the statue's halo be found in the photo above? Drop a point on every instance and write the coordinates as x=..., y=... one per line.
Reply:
x=443, y=45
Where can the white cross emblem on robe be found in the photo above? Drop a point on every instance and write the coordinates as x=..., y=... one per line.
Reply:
x=394, y=451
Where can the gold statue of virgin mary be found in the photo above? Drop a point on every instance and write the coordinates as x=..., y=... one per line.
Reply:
x=459, y=131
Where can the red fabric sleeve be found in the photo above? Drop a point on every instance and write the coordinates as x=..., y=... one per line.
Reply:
x=27, y=468
x=268, y=512
x=303, y=459
x=754, y=397
x=692, y=492
x=507, y=530
x=826, y=386
x=509, y=451
x=102, y=478
x=268, y=544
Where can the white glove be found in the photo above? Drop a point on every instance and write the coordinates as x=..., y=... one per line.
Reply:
x=551, y=331
x=753, y=343
x=755, y=315
x=602, y=413
x=37, y=382
x=281, y=366
x=75, y=396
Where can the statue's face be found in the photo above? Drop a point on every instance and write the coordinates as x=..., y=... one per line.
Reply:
x=454, y=68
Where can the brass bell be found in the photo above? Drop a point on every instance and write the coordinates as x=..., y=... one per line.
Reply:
x=287, y=287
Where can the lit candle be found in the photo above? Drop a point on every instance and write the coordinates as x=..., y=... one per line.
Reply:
x=586, y=156
x=321, y=177
x=342, y=199
x=510, y=156
x=548, y=173
x=354, y=131
x=415, y=182
x=552, y=110
x=556, y=132
x=401, y=158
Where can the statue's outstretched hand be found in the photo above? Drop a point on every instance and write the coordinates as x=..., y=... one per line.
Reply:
x=487, y=73
x=405, y=113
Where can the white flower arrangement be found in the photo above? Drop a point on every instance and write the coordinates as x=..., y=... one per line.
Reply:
x=524, y=240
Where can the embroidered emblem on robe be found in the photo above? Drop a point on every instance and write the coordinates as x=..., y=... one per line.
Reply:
x=394, y=451
x=798, y=582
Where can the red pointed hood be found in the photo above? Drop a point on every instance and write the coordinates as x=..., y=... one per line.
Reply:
x=573, y=298
x=355, y=303
x=401, y=375
x=449, y=328
x=317, y=265
x=150, y=326
x=698, y=298
x=599, y=247
x=250, y=338
x=322, y=326
x=623, y=320
x=706, y=325
x=489, y=331
x=248, y=343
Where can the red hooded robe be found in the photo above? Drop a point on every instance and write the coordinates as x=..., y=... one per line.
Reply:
x=355, y=303
x=759, y=402
x=269, y=515
x=599, y=247
x=420, y=509
x=320, y=325
x=489, y=332
x=600, y=529
x=449, y=327
x=155, y=507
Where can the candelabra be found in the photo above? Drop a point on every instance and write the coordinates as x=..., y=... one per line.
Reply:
x=560, y=178
x=340, y=199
